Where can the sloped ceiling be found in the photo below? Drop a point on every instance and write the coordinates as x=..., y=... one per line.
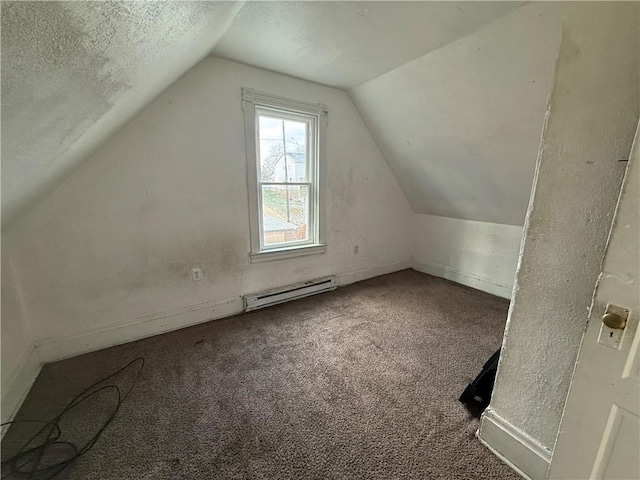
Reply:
x=74, y=73
x=343, y=44
x=460, y=127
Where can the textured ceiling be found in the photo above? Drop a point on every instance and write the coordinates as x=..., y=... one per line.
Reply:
x=343, y=44
x=74, y=73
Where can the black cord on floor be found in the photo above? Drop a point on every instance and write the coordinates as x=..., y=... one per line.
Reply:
x=27, y=463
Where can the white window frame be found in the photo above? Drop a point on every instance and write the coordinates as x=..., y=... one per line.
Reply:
x=253, y=104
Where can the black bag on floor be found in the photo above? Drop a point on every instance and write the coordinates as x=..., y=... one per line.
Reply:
x=478, y=392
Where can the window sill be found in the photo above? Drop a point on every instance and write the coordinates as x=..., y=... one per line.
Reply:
x=284, y=253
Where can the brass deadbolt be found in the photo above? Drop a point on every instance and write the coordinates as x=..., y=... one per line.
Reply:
x=614, y=321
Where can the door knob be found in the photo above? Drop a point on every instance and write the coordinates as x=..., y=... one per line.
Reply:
x=614, y=321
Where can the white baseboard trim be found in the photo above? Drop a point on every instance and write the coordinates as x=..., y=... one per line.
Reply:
x=53, y=349
x=353, y=277
x=513, y=446
x=59, y=348
x=463, y=278
x=20, y=384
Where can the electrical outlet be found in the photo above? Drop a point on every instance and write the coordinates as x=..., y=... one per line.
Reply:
x=196, y=274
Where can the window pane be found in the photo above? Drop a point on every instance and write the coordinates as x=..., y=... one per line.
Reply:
x=282, y=149
x=285, y=214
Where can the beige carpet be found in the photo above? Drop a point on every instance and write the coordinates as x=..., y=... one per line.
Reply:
x=360, y=383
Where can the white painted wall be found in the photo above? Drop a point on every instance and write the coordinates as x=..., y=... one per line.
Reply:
x=477, y=254
x=593, y=113
x=110, y=251
x=460, y=126
x=94, y=65
x=17, y=342
x=106, y=257
x=113, y=246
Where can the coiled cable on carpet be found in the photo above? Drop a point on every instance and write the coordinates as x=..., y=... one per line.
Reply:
x=30, y=461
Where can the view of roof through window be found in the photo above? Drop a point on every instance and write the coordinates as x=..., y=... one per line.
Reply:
x=284, y=180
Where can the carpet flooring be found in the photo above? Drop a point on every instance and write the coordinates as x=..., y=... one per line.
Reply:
x=359, y=383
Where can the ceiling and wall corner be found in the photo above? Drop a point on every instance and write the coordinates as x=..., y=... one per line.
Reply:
x=343, y=44
x=114, y=244
x=462, y=124
x=73, y=73
x=76, y=73
x=460, y=127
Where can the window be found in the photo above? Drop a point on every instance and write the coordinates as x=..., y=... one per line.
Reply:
x=284, y=152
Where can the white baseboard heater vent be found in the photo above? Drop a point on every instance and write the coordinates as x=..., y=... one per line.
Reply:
x=285, y=294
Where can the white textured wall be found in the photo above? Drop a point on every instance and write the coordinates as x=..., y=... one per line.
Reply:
x=593, y=113
x=460, y=126
x=117, y=240
x=598, y=368
x=478, y=254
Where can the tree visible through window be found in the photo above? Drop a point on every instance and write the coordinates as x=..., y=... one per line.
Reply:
x=284, y=139
x=286, y=164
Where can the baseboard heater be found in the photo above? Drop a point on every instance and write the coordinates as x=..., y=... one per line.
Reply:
x=285, y=294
